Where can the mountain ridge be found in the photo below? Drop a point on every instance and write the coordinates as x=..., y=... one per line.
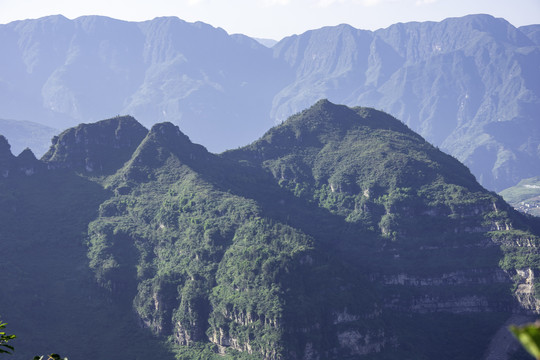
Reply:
x=440, y=78
x=339, y=234
x=27, y=134
x=86, y=148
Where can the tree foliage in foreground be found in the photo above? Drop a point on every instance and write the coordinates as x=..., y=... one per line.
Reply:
x=529, y=336
x=4, y=339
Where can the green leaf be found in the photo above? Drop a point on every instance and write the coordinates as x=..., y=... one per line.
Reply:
x=529, y=336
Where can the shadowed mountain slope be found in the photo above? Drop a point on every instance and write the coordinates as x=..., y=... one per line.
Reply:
x=339, y=234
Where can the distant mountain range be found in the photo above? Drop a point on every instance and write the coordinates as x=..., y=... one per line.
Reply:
x=469, y=85
x=27, y=134
x=267, y=42
x=339, y=234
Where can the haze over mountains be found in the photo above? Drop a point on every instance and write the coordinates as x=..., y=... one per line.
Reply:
x=469, y=85
x=23, y=134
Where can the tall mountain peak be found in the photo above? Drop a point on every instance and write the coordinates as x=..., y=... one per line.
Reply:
x=5, y=148
x=338, y=144
x=163, y=143
x=167, y=131
x=27, y=156
x=323, y=107
x=25, y=163
x=335, y=236
x=6, y=157
x=168, y=137
x=437, y=77
x=100, y=147
x=325, y=119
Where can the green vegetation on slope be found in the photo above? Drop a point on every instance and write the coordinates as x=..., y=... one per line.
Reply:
x=524, y=196
x=335, y=236
x=53, y=302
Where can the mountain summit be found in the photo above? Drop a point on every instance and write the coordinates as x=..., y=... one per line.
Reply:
x=467, y=85
x=100, y=147
x=339, y=234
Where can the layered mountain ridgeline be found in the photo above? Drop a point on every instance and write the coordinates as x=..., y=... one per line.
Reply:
x=27, y=134
x=340, y=234
x=49, y=294
x=267, y=42
x=532, y=32
x=102, y=147
x=445, y=80
x=469, y=85
x=61, y=72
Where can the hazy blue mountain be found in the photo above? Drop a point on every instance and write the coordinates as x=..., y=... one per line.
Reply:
x=63, y=72
x=470, y=85
x=27, y=134
x=532, y=32
x=267, y=42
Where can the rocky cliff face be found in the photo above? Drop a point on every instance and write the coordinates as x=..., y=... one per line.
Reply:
x=340, y=234
x=339, y=170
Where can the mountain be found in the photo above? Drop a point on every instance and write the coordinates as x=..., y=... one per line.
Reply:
x=267, y=42
x=27, y=134
x=525, y=196
x=101, y=147
x=444, y=80
x=63, y=72
x=532, y=32
x=10, y=165
x=49, y=295
x=339, y=234
x=468, y=85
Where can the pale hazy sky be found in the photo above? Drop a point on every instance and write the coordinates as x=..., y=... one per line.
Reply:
x=277, y=18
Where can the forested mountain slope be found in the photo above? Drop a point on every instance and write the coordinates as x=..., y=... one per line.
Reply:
x=468, y=85
x=340, y=234
x=49, y=295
